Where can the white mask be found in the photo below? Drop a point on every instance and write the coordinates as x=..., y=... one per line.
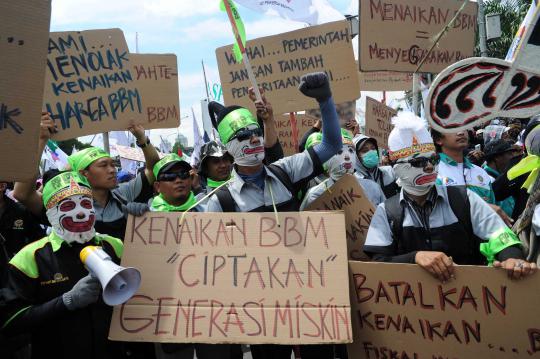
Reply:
x=415, y=180
x=72, y=219
x=246, y=153
x=341, y=163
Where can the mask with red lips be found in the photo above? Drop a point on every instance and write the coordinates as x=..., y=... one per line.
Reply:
x=415, y=180
x=246, y=153
x=341, y=163
x=72, y=219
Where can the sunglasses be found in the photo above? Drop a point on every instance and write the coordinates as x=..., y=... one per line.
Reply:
x=244, y=134
x=421, y=162
x=169, y=177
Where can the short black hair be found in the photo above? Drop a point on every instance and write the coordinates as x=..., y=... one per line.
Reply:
x=436, y=136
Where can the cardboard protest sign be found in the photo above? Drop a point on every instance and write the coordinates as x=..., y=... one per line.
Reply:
x=347, y=195
x=476, y=90
x=285, y=131
x=385, y=81
x=401, y=311
x=93, y=84
x=279, y=61
x=346, y=112
x=378, y=121
x=132, y=153
x=236, y=278
x=395, y=35
x=24, y=31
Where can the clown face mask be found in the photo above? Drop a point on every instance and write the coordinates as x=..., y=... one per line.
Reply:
x=72, y=219
x=341, y=163
x=417, y=173
x=247, y=146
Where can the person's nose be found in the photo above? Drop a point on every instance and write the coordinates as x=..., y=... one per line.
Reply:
x=429, y=168
x=254, y=140
x=80, y=215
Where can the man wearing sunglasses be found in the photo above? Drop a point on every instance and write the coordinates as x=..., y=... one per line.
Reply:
x=436, y=226
x=173, y=183
x=257, y=188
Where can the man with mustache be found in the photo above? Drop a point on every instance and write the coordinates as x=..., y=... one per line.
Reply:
x=255, y=187
x=57, y=300
x=436, y=226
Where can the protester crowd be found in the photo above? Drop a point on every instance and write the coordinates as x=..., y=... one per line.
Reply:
x=446, y=199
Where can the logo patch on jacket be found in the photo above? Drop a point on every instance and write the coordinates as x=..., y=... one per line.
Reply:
x=18, y=224
x=57, y=278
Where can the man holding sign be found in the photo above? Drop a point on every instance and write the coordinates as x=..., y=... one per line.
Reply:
x=435, y=226
x=258, y=188
x=339, y=165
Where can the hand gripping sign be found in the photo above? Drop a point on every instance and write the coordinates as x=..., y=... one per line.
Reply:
x=475, y=90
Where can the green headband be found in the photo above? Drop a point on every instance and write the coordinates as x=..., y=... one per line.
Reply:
x=316, y=138
x=173, y=157
x=313, y=139
x=64, y=185
x=234, y=121
x=84, y=158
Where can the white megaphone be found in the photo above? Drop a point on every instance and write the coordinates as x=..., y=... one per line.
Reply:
x=118, y=283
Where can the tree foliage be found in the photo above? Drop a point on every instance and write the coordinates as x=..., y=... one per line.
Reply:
x=512, y=13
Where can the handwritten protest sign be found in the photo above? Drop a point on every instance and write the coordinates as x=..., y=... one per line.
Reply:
x=395, y=35
x=347, y=195
x=236, y=278
x=94, y=85
x=285, y=131
x=24, y=31
x=385, y=81
x=279, y=61
x=378, y=121
x=401, y=311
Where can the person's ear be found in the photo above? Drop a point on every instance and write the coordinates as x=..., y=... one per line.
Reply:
x=156, y=186
x=85, y=173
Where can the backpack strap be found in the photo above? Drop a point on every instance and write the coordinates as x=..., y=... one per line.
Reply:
x=226, y=201
x=284, y=178
x=395, y=214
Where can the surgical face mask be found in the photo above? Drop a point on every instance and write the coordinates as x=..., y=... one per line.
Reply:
x=341, y=163
x=415, y=180
x=73, y=219
x=370, y=159
x=246, y=153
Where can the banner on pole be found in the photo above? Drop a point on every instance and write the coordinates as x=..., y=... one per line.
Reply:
x=395, y=35
x=285, y=131
x=279, y=61
x=378, y=121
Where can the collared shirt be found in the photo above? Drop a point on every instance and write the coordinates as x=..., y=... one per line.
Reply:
x=248, y=196
x=422, y=212
x=452, y=173
x=371, y=189
x=485, y=222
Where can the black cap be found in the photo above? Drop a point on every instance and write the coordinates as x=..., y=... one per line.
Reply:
x=218, y=112
x=496, y=147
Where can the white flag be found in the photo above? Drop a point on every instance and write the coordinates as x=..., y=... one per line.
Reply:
x=297, y=10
